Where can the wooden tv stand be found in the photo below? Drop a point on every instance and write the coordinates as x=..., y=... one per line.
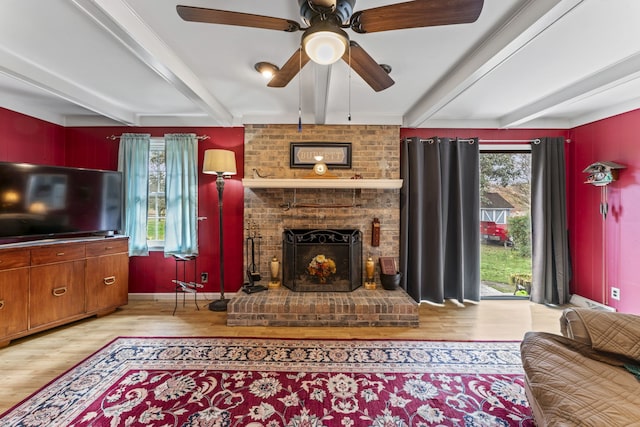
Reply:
x=49, y=283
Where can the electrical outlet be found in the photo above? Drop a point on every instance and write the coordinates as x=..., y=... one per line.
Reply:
x=615, y=293
x=204, y=277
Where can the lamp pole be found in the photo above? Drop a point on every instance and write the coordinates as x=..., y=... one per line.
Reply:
x=220, y=304
x=222, y=163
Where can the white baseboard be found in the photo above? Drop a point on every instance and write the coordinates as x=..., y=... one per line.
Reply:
x=170, y=296
x=579, y=301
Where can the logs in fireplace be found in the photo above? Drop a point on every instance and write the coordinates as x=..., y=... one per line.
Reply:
x=322, y=260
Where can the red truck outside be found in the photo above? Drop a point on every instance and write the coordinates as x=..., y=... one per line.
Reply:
x=490, y=232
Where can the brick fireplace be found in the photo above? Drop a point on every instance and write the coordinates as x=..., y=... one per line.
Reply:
x=375, y=156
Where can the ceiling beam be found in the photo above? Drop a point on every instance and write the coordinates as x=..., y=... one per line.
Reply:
x=321, y=92
x=523, y=27
x=36, y=76
x=610, y=77
x=125, y=25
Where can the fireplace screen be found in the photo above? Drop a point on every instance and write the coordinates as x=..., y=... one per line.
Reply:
x=322, y=260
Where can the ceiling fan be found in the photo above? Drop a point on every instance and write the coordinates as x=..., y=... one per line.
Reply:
x=324, y=41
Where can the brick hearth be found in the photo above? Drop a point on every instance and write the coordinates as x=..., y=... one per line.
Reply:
x=362, y=307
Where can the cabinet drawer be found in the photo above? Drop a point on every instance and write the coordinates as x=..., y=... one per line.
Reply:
x=57, y=253
x=14, y=258
x=107, y=247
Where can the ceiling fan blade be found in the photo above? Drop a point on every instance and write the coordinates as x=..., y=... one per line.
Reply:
x=226, y=17
x=416, y=14
x=289, y=70
x=367, y=68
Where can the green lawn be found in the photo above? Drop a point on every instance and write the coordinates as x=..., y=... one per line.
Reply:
x=155, y=229
x=498, y=263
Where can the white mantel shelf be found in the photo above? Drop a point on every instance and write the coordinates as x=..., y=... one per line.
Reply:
x=384, y=184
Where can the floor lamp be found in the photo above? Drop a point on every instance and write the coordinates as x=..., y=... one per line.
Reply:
x=221, y=163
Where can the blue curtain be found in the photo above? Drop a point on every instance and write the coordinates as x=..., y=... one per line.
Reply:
x=181, y=156
x=133, y=162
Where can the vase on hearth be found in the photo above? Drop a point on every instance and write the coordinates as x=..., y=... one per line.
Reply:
x=274, y=268
x=370, y=269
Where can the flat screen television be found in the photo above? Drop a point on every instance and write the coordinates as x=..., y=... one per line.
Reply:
x=38, y=201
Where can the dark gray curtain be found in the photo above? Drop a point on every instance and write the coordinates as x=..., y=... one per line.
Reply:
x=440, y=219
x=550, y=243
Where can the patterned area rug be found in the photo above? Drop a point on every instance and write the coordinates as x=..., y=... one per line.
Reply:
x=269, y=382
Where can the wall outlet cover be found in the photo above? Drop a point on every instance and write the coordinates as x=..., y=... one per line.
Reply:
x=615, y=293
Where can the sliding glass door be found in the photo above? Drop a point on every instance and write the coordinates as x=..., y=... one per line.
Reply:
x=505, y=221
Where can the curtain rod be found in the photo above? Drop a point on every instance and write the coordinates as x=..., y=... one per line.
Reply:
x=531, y=141
x=534, y=141
x=114, y=137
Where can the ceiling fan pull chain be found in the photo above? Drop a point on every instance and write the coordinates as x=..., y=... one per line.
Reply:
x=300, y=91
x=349, y=95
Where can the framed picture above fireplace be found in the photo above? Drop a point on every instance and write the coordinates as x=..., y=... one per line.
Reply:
x=334, y=154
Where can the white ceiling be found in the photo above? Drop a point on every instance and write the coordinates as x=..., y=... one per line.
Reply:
x=523, y=63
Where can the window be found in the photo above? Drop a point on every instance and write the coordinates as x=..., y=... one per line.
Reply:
x=156, y=216
x=159, y=183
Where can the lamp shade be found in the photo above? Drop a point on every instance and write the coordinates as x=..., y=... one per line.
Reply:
x=219, y=162
x=325, y=43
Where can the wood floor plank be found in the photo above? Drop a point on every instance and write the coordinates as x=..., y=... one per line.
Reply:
x=30, y=363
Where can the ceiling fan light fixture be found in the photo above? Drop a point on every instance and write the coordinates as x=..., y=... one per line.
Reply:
x=267, y=69
x=325, y=43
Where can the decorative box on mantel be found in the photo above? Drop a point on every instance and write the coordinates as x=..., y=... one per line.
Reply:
x=322, y=260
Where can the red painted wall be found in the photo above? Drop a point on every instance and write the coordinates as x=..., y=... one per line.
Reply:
x=89, y=147
x=28, y=140
x=604, y=251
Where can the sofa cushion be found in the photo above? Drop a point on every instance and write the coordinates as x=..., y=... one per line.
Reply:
x=606, y=331
x=569, y=384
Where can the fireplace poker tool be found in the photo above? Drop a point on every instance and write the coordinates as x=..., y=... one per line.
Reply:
x=252, y=274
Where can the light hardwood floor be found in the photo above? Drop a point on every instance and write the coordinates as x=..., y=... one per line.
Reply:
x=29, y=363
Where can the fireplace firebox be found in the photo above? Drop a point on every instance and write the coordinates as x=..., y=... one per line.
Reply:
x=322, y=260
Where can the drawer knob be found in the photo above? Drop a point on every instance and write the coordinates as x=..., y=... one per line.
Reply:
x=108, y=281
x=58, y=292
x=60, y=254
x=1, y=304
